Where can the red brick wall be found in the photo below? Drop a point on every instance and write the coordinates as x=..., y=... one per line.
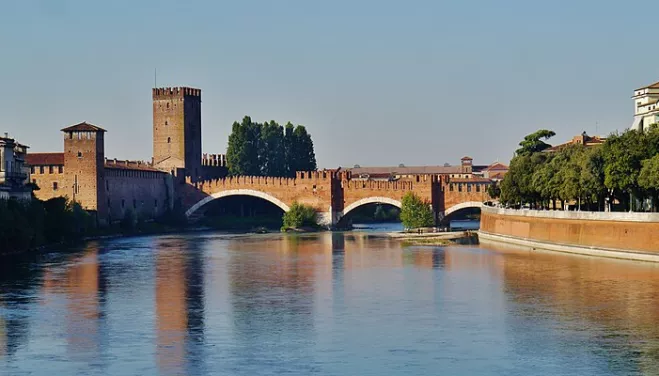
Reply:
x=628, y=235
x=146, y=193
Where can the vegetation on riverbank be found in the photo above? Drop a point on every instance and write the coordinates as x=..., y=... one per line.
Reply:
x=415, y=212
x=624, y=172
x=300, y=216
x=28, y=225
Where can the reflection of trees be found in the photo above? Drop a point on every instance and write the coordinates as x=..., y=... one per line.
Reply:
x=619, y=299
x=18, y=276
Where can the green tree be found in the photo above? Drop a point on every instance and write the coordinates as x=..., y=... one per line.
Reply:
x=623, y=155
x=533, y=143
x=272, y=150
x=494, y=190
x=300, y=215
x=648, y=178
x=269, y=149
x=415, y=212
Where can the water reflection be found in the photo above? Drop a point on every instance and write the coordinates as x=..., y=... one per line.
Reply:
x=179, y=297
x=614, y=303
x=330, y=303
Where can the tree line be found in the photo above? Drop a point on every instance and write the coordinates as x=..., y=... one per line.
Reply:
x=269, y=149
x=621, y=174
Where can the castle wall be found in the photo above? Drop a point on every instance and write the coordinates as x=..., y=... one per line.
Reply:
x=50, y=180
x=147, y=193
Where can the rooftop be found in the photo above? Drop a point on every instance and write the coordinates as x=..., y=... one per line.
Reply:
x=44, y=159
x=651, y=86
x=83, y=127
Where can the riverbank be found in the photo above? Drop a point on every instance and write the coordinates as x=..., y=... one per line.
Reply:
x=618, y=235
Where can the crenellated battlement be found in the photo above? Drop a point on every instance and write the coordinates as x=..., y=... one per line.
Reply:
x=400, y=185
x=214, y=160
x=175, y=92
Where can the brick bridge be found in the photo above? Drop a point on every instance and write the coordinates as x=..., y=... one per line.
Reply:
x=334, y=194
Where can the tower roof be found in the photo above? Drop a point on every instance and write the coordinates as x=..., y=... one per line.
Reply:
x=84, y=127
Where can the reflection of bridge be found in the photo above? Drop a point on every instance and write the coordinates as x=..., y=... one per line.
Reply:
x=334, y=194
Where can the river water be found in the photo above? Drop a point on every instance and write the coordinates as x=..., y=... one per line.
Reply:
x=326, y=304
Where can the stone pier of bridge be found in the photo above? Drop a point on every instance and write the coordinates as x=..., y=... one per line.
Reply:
x=332, y=193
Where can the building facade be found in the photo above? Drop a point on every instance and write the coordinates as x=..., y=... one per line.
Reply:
x=105, y=187
x=14, y=175
x=646, y=106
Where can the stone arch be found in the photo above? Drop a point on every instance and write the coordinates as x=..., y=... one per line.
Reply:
x=237, y=192
x=371, y=200
x=463, y=205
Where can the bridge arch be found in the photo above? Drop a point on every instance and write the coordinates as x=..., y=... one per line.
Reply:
x=237, y=192
x=371, y=200
x=463, y=205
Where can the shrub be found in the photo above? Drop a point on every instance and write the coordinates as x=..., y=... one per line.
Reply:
x=300, y=215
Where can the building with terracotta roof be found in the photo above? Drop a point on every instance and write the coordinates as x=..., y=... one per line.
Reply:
x=582, y=139
x=106, y=187
x=13, y=173
x=646, y=106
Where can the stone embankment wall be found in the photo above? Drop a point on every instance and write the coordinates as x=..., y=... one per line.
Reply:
x=619, y=235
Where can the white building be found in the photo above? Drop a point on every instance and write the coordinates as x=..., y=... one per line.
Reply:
x=646, y=106
x=14, y=175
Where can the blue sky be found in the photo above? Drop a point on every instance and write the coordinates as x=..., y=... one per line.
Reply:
x=375, y=82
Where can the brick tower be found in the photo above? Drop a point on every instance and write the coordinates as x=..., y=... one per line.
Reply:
x=84, y=163
x=177, y=130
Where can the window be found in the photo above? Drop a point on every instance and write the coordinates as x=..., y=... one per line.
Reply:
x=478, y=187
x=50, y=169
x=32, y=169
x=41, y=169
x=450, y=187
x=166, y=122
x=155, y=203
x=54, y=186
x=459, y=187
x=79, y=154
x=60, y=169
x=169, y=140
x=168, y=105
x=468, y=187
x=107, y=185
x=123, y=203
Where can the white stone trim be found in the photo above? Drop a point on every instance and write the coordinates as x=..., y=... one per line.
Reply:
x=576, y=215
x=237, y=192
x=371, y=200
x=533, y=245
x=463, y=205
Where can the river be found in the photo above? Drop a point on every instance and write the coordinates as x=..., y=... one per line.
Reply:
x=326, y=304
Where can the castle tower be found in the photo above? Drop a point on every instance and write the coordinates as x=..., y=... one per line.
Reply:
x=177, y=130
x=84, y=163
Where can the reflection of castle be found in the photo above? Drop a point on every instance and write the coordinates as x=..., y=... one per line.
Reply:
x=110, y=187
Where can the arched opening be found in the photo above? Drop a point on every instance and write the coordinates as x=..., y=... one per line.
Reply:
x=240, y=209
x=240, y=213
x=372, y=214
x=464, y=216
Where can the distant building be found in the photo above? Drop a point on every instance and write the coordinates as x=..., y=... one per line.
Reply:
x=582, y=139
x=14, y=175
x=646, y=106
x=466, y=172
x=495, y=172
